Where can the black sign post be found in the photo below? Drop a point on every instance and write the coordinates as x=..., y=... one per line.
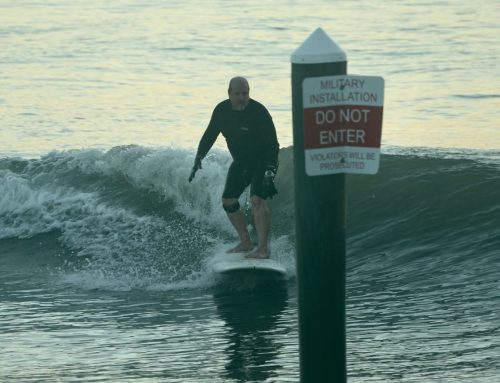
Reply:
x=320, y=209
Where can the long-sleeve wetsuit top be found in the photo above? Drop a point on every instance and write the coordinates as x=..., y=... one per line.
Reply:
x=250, y=133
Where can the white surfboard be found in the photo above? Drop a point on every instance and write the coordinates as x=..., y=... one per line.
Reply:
x=237, y=263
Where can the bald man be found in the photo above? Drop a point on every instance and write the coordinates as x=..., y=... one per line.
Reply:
x=251, y=139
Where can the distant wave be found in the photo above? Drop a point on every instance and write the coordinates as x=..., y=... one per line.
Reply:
x=477, y=96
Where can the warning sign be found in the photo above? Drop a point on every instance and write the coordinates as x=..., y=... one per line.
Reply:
x=342, y=124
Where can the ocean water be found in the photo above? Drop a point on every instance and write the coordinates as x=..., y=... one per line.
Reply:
x=106, y=249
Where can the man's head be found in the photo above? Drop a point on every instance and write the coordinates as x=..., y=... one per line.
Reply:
x=239, y=93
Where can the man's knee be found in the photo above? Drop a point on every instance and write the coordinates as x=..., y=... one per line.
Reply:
x=230, y=206
x=258, y=202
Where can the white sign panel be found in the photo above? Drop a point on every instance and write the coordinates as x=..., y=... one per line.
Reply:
x=342, y=124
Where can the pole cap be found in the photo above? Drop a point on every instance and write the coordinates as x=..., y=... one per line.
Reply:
x=318, y=48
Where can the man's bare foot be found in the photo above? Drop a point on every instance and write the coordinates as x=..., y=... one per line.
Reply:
x=241, y=248
x=257, y=254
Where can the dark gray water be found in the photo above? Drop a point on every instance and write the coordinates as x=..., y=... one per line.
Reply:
x=102, y=279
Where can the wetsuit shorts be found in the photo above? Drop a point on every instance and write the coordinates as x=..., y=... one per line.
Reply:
x=239, y=176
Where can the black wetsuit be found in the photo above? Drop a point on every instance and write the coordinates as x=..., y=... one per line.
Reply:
x=251, y=139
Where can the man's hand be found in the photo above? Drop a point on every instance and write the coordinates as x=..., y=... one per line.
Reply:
x=196, y=167
x=268, y=187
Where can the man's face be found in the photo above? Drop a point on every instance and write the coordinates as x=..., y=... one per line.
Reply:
x=239, y=96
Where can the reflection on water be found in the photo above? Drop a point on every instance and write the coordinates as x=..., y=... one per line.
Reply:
x=251, y=316
x=84, y=74
x=225, y=335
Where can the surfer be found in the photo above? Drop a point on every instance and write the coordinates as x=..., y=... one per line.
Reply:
x=251, y=139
